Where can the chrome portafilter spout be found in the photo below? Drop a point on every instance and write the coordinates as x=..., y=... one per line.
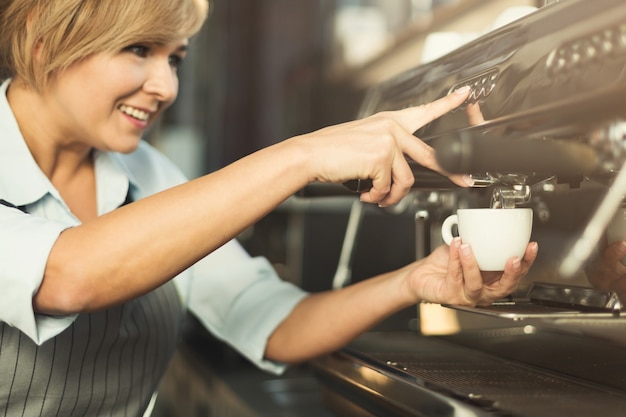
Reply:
x=509, y=190
x=509, y=196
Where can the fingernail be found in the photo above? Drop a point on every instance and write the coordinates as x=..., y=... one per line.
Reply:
x=468, y=180
x=456, y=242
x=462, y=90
x=534, y=247
x=517, y=264
x=465, y=249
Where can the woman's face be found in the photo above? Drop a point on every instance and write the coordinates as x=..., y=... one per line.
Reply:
x=107, y=101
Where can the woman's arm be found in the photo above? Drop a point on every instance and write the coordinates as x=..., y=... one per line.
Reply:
x=326, y=321
x=132, y=250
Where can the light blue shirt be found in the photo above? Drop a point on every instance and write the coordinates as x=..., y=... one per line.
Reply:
x=240, y=299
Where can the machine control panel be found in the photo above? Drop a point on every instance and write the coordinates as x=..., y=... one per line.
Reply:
x=481, y=85
x=582, y=52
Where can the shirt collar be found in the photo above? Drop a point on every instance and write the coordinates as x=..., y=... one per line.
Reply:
x=112, y=183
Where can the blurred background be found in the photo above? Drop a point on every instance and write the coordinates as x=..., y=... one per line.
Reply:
x=262, y=71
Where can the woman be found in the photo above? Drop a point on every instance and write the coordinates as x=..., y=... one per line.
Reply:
x=96, y=224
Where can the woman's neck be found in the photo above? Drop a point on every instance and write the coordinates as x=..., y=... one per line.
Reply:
x=68, y=164
x=45, y=136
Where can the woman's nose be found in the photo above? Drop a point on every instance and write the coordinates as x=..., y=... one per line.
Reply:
x=162, y=82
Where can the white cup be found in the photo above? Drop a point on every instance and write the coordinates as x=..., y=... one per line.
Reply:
x=616, y=229
x=495, y=235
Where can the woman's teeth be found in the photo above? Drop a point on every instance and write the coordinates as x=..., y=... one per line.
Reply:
x=136, y=113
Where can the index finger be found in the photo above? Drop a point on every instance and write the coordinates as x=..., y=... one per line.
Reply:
x=413, y=118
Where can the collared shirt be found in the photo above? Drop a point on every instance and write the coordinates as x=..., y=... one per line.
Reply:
x=240, y=299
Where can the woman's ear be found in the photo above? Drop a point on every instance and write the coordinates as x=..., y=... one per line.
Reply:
x=37, y=47
x=37, y=50
x=39, y=43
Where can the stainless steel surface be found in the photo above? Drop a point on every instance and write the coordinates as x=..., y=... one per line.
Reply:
x=547, y=103
x=554, y=73
x=493, y=374
x=588, y=241
x=573, y=296
x=510, y=196
x=527, y=310
x=550, y=301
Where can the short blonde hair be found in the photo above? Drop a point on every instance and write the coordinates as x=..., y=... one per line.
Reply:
x=67, y=31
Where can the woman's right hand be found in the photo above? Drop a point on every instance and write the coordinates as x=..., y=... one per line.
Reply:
x=376, y=147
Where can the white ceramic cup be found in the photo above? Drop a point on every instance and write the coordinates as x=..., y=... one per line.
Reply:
x=616, y=229
x=495, y=235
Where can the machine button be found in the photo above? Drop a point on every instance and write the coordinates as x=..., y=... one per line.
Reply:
x=481, y=85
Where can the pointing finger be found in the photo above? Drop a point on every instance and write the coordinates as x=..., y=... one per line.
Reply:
x=415, y=117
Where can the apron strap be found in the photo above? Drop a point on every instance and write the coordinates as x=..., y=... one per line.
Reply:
x=6, y=203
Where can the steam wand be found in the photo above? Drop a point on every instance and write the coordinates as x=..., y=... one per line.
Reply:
x=584, y=245
x=343, y=274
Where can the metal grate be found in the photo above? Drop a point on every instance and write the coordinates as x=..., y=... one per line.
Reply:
x=505, y=387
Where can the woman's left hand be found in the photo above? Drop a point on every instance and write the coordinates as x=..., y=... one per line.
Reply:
x=450, y=275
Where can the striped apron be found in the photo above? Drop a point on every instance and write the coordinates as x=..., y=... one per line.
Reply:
x=107, y=363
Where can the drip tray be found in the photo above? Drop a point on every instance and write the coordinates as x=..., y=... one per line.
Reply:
x=549, y=301
x=412, y=375
x=520, y=310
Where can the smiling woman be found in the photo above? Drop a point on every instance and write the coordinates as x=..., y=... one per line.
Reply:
x=104, y=245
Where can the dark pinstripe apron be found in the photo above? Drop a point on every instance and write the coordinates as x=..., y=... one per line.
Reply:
x=107, y=363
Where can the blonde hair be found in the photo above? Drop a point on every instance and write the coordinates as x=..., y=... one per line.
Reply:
x=66, y=31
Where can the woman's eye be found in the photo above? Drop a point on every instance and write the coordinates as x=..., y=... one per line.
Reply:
x=175, y=61
x=139, y=50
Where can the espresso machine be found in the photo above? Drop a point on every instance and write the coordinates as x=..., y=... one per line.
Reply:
x=544, y=127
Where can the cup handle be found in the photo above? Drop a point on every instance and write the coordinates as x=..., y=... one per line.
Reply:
x=446, y=228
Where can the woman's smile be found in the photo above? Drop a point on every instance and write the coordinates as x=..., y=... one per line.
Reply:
x=136, y=116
